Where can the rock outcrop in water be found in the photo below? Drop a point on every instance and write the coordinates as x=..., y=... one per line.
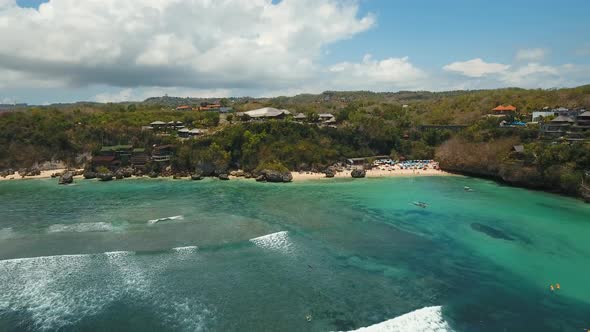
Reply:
x=223, y=177
x=330, y=172
x=274, y=176
x=106, y=176
x=358, y=173
x=88, y=174
x=196, y=176
x=66, y=178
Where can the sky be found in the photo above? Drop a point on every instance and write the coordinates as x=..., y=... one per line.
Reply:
x=111, y=50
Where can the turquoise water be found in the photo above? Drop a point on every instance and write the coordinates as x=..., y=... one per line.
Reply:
x=147, y=255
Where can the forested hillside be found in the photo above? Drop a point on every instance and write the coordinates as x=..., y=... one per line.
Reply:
x=367, y=124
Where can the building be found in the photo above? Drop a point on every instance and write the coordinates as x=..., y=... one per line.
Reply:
x=162, y=153
x=504, y=110
x=158, y=125
x=581, y=127
x=557, y=127
x=188, y=133
x=268, y=113
x=300, y=117
x=540, y=115
x=139, y=158
x=210, y=107
x=183, y=133
x=109, y=162
x=326, y=117
x=184, y=108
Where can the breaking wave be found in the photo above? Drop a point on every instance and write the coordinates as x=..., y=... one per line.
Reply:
x=57, y=292
x=155, y=221
x=80, y=228
x=276, y=241
x=187, y=249
x=427, y=319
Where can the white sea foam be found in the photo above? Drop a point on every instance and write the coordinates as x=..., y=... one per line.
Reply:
x=276, y=241
x=427, y=319
x=187, y=249
x=57, y=292
x=80, y=228
x=50, y=289
x=7, y=233
x=155, y=221
x=115, y=254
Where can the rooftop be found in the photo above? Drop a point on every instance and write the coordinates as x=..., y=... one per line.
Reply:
x=503, y=108
x=116, y=148
x=267, y=112
x=562, y=118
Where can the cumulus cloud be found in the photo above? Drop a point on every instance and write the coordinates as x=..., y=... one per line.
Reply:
x=140, y=94
x=476, y=68
x=387, y=74
x=478, y=75
x=200, y=44
x=531, y=54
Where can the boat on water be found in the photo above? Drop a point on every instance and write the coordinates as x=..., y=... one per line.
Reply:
x=420, y=204
x=467, y=188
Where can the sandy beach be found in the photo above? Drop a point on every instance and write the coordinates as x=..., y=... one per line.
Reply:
x=43, y=175
x=372, y=173
x=297, y=176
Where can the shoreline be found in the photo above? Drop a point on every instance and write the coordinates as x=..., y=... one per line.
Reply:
x=44, y=175
x=372, y=173
x=297, y=176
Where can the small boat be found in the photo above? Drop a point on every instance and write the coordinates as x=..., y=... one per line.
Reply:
x=308, y=317
x=467, y=188
x=420, y=204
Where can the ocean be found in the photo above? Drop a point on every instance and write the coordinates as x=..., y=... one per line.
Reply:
x=334, y=255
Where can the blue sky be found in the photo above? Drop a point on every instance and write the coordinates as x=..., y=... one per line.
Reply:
x=307, y=46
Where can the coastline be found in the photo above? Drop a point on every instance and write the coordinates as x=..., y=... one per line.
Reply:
x=297, y=176
x=44, y=175
x=372, y=173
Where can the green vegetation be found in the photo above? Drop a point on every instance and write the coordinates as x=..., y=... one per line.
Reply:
x=368, y=124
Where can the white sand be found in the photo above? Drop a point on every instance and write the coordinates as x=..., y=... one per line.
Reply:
x=372, y=173
x=43, y=175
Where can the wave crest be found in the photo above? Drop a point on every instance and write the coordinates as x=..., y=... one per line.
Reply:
x=278, y=241
x=155, y=221
x=80, y=228
x=427, y=319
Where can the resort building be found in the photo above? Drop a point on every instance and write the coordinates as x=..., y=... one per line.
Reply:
x=188, y=133
x=268, y=113
x=158, y=125
x=139, y=158
x=557, y=127
x=300, y=117
x=504, y=110
x=326, y=117
x=109, y=162
x=210, y=107
x=580, y=130
x=162, y=153
x=184, y=108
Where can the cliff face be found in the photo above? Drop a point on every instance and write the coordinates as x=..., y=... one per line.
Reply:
x=491, y=159
x=585, y=192
x=484, y=159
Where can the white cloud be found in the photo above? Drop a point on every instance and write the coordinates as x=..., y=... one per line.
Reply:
x=531, y=75
x=476, y=68
x=140, y=94
x=531, y=54
x=201, y=44
x=386, y=74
